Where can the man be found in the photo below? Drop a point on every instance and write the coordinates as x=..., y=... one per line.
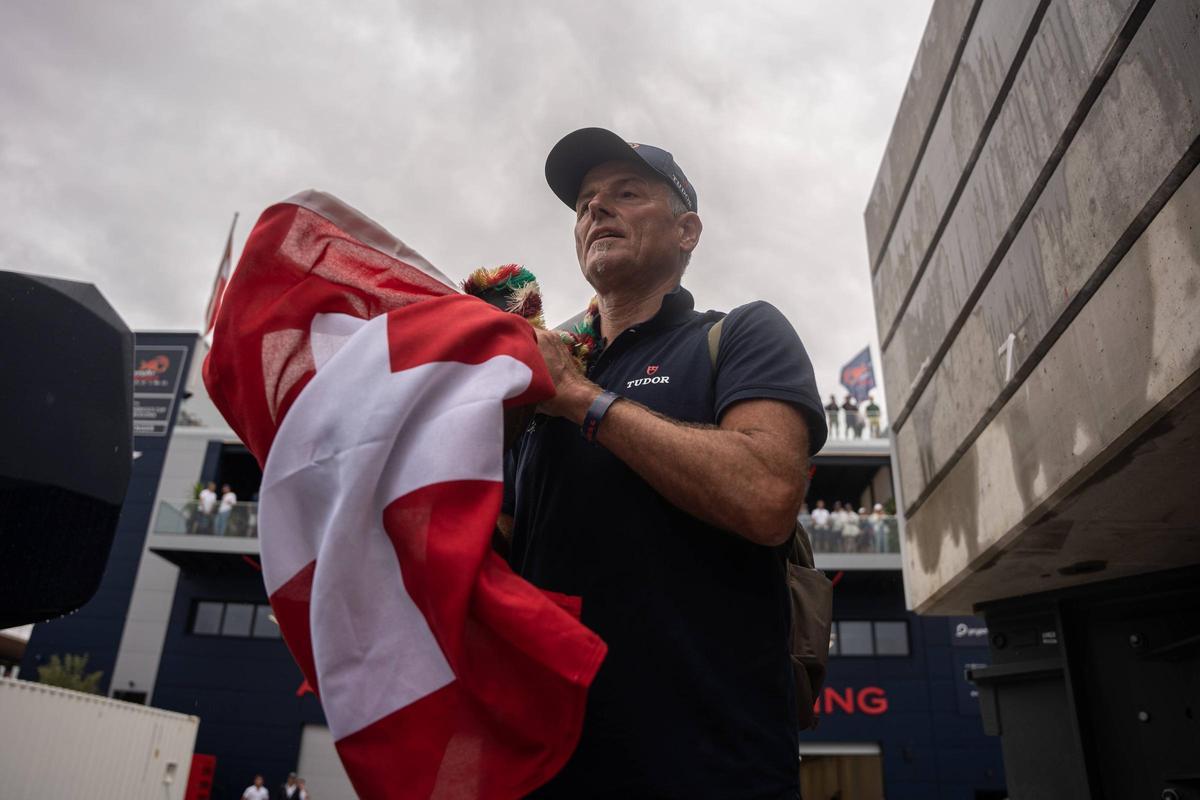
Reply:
x=873, y=414
x=837, y=523
x=228, y=501
x=879, y=530
x=820, y=519
x=657, y=489
x=256, y=791
x=831, y=415
x=290, y=788
x=853, y=422
x=208, y=504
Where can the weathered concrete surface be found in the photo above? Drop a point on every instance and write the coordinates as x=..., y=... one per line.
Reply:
x=948, y=21
x=993, y=48
x=1071, y=44
x=1142, y=125
x=1093, y=458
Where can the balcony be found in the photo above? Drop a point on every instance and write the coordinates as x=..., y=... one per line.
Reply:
x=186, y=536
x=187, y=519
x=860, y=542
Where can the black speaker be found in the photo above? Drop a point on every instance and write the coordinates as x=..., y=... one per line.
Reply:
x=66, y=439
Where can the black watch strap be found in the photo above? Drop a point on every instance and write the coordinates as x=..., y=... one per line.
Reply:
x=596, y=412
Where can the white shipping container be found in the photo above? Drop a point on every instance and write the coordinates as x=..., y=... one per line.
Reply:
x=63, y=744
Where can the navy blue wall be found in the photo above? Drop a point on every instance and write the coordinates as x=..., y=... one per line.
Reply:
x=95, y=629
x=930, y=734
x=243, y=690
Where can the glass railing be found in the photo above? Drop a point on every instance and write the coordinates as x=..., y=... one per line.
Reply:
x=851, y=425
x=861, y=534
x=187, y=517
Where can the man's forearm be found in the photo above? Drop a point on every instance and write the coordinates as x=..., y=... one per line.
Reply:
x=744, y=479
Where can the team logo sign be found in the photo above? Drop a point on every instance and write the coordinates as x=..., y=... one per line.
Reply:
x=653, y=368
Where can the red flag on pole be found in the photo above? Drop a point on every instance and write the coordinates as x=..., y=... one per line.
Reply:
x=223, y=270
x=373, y=394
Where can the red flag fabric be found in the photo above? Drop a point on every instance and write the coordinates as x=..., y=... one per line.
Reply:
x=373, y=393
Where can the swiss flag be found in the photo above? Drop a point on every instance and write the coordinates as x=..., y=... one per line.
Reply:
x=373, y=395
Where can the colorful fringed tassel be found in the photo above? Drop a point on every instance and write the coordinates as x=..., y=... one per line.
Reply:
x=513, y=288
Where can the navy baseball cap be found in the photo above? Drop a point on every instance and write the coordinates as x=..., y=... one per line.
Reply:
x=576, y=153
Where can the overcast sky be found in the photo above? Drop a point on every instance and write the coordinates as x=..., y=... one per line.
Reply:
x=132, y=131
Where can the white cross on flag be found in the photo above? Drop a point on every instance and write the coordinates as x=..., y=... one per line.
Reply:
x=373, y=395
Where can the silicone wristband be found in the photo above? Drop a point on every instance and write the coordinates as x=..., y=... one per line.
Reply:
x=596, y=412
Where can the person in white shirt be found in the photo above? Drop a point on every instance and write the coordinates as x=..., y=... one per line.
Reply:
x=850, y=530
x=879, y=528
x=208, y=504
x=820, y=520
x=257, y=791
x=228, y=501
x=837, y=522
x=291, y=789
x=303, y=793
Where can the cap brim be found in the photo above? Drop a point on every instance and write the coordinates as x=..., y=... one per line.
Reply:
x=576, y=153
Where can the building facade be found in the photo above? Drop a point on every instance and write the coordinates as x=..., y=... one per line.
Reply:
x=184, y=624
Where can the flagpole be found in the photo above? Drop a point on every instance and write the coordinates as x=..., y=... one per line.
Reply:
x=223, y=271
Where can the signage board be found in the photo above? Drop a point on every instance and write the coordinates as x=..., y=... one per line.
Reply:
x=157, y=374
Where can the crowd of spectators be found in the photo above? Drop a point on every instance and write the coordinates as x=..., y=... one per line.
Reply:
x=849, y=420
x=844, y=530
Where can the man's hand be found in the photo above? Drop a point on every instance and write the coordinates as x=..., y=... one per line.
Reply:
x=573, y=392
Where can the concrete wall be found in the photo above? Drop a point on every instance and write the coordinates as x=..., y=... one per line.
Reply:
x=1036, y=293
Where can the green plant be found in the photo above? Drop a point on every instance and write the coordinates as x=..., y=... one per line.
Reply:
x=70, y=672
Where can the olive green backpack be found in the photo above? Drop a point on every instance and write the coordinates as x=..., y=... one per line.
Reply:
x=811, y=602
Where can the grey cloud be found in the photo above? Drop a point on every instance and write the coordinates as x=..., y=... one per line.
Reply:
x=133, y=131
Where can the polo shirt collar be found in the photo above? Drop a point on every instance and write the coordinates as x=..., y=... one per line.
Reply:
x=676, y=308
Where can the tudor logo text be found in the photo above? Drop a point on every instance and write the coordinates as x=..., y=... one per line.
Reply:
x=645, y=381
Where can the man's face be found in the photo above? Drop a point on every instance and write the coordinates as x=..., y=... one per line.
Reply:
x=625, y=230
x=258, y=780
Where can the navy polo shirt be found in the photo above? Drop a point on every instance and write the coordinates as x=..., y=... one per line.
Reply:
x=695, y=698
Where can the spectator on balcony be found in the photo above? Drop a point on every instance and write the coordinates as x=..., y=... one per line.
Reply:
x=853, y=421
x=831, y=415
x=873, y=416
x=820, y=521
x=879, y=528
x=228, y=501
x=851, y=532
x=206, y=507
x=837, y=527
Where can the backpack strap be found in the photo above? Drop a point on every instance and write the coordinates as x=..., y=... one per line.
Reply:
x=714, y=341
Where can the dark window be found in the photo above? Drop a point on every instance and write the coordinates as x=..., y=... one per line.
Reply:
x=212, y=618
x=238, y=617
x=867, y=638
x=891, y=638
x=264, y=623
x=854, y=638
x=208, y=618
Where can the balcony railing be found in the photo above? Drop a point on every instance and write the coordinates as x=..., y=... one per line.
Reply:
x=852, y=425
x=187, y=517
x=866, y=534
